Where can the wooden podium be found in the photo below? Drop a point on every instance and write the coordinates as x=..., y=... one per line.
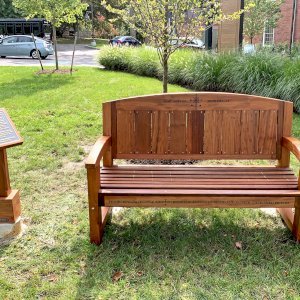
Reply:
x=10, y=207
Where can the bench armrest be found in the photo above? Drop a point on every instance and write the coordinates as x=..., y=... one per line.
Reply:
x=97, y=152
x=293, y=145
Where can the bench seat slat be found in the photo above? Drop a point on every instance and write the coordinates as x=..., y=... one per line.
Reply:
x=161, y=180
x=237, y=193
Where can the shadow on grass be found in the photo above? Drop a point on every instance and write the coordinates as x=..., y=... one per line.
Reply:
x=33, y=84
x=162, y=251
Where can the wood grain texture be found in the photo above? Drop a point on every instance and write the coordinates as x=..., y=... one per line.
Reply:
x=160, y=133
x=284, y=158
x=4, y=174
x=231, y=132
x=292, y=145
x=296, y=222
x=195, y=132
x=107, y=131
x=177, y=138
x=267, y=132
x=125, y=132
x=213, y=132
x=98, y=150
x=195, y=201
x=142, y=133
x=201, y=125
x=10, y=207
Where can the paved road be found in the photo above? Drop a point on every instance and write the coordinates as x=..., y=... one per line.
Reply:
x=84, y=56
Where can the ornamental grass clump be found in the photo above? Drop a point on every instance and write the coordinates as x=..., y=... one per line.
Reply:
x=256, y=74
x=115, y=58
x=143, y=61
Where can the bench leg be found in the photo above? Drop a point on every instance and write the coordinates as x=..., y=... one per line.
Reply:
x=97, y=213
x=296, y=223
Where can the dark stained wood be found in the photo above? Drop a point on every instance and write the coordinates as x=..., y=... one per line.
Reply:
x=195, y=132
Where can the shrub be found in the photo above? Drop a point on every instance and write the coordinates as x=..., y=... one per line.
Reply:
x=264, y=73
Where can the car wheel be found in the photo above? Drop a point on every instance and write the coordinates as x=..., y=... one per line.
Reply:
x=34, y=54
x=3, y=56
x=44, y=57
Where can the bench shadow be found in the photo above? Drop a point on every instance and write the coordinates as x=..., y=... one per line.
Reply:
x=182, y=240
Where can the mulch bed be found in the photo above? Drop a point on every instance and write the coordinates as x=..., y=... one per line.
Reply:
x=60, y=71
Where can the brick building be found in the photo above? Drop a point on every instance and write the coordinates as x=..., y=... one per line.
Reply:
x=230, y=34
x=288, y=26
x=282, y=33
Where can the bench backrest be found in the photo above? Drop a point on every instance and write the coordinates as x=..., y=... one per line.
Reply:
x=197, y=126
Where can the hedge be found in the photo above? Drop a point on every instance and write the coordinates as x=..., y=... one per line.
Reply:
x=263, y=73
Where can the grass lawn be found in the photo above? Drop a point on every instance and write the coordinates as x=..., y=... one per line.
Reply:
x=162, y=253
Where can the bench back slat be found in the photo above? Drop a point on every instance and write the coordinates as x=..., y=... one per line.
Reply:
x=197, y=126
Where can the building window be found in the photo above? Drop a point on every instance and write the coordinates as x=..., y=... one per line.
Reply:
x=268, y=37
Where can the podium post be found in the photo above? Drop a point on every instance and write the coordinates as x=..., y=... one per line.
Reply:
x=10, y=206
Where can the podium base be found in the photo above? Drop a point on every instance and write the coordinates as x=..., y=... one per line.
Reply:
x=10, y=208
x=8, y=230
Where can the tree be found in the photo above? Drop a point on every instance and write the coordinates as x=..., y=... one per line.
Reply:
x=56, y=12
x=166, y=24
x=7, y=10
x=263, y=13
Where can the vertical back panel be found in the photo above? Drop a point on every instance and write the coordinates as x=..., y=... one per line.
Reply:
x=231, y=132
x=213, y=132
x=198, y=126
x=249, y=131
x=142, y=134
x=177, y=138
x=195, y=132
x=160, y=132
x=267, y=132
x=125, y=132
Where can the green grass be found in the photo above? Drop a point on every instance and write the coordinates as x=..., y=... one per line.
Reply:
x=162, y=253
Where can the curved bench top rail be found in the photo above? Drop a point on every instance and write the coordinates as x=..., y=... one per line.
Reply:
x=197, y=125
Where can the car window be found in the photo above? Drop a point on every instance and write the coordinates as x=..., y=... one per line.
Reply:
x=10, y=40
x=24, y=39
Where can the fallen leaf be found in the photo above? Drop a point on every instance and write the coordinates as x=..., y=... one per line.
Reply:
x=116, y=277
x=238, y=245
x=52, y=278
x=140, y=273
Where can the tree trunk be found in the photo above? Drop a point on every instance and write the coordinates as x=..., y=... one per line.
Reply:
x=55, y=47
x=251, y=40
x=165, y=73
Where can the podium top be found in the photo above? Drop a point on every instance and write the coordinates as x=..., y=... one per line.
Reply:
x=9, y=135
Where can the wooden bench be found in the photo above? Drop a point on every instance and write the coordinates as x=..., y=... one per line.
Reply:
x=197, y=126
